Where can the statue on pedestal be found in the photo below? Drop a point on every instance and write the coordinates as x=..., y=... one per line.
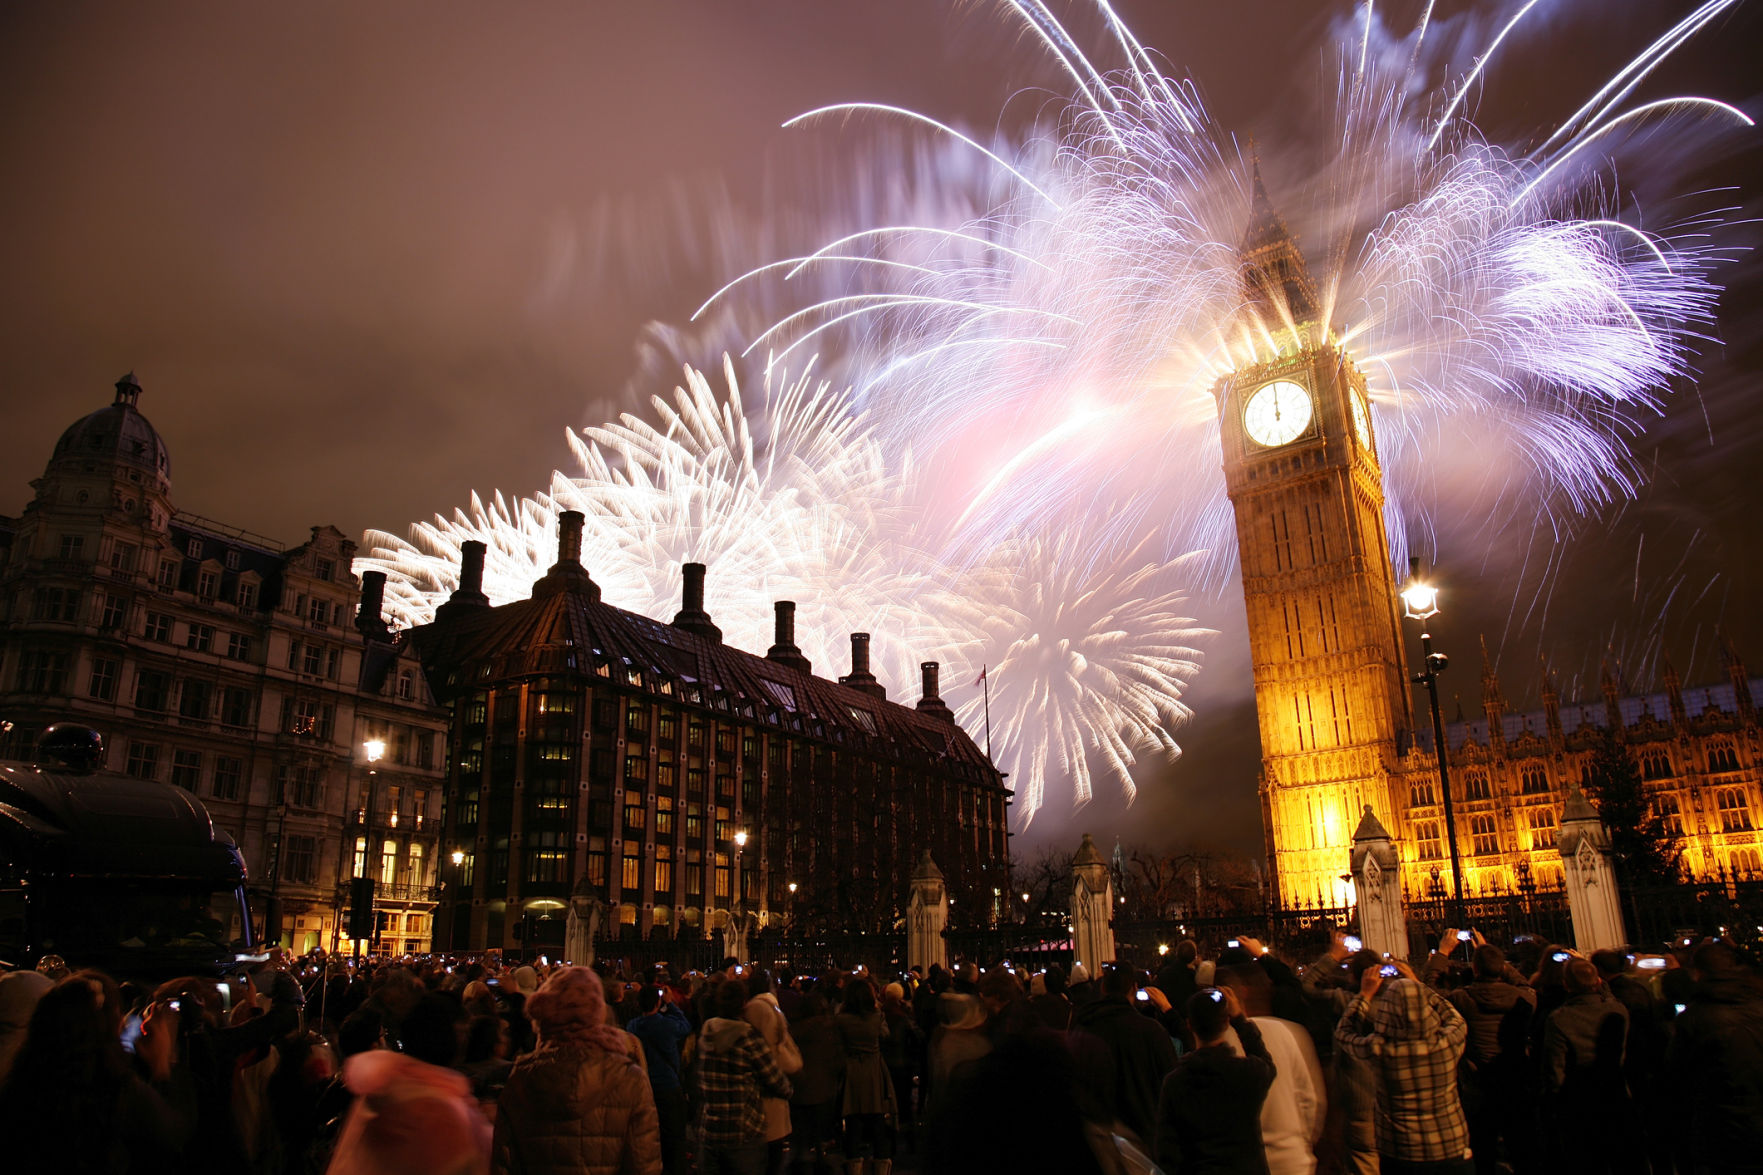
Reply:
x=586, y=912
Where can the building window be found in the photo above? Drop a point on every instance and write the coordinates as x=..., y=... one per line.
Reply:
x=419, y=807
x=1666, y=808
x=317, y=610
x=299, y=784
x=143, y=761
x=326, y=569
x=228, y=772
x=247, y=596
x=1475, y=786
x=73, y=546
x=199, y=638
x=43, y=673
x=389, y=862
x=1721, y=757
x=636, y=769
x=406, y=681
x=1426, y=836
x=694, y=821
x=1735, y=813
x=236, y=707
x=722, y=875
x=168, y=575
x=1534, y=781
x=1655, y=764
x=547, y=857
x=232, y=560
x=55, y=604
x=663, y=815
x=186, y=769
x=414, y=875
x=122, y=557
x=152, y=690
x=1420, y=794
x=207, y=584
x=1484, y=836
x=1746, y=863
x=103, y=681
x=238, y=646
x=360, y=866
x=302, y=855
x=114, y=612
x=632, y=879
x=194, y=549
x=425, y=749
x=158, y=627
x=634, y=813
x=196, y=701
x=1542, y=828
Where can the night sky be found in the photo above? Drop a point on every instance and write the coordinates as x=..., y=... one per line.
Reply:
x=366, y=263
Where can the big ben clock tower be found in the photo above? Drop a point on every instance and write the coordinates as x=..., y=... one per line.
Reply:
x=1301, y=469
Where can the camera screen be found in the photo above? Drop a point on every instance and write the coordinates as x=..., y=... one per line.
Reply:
x=1388, y=970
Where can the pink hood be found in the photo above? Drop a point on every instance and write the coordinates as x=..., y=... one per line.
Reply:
x=412, y=1117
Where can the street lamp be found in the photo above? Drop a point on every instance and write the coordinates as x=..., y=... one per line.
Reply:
x=458, y=858
x=740, y=843
x=1420, y=601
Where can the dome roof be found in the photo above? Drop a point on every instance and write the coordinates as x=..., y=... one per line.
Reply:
x=117, y=433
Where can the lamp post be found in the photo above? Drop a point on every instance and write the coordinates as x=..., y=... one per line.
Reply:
x=736, y=897
x=373, y=749
x=1420, y=601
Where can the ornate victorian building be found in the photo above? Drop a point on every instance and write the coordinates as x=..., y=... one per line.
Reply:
x=1338, y=731
x=675, y=779
x=220, y=661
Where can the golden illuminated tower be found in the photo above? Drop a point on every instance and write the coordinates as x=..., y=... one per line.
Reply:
x=1301, y=469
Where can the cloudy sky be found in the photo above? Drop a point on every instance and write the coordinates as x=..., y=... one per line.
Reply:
x=366, y=259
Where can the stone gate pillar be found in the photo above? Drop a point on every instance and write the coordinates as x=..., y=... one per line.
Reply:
x=1377, y=880
x=1092, y=908
x=927, y=914
x=1592, y=898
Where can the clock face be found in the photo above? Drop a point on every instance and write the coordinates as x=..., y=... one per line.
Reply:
x=1277, y=413
x=1361, y=419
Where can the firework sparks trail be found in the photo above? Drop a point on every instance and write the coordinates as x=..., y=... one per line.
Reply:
x=1030, y=370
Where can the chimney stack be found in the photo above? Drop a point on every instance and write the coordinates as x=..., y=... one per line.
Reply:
x=860, y=678
x=691, y=615
x=568, y=574
x=932, y=702
x=373, y=601
x=783, y=649
x=470, y=592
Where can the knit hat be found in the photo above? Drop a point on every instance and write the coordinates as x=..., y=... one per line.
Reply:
x=526, y=980
x=1080, y=973
x=571, y=1007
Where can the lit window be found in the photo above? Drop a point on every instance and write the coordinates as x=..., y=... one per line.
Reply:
x=1485, y=836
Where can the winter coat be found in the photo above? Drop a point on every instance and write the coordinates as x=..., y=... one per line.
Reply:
x=1498, y=1012
x=823, y=1061
x=575, y=1107
x=1209, y=1112
x=409, y=1118
x=1141, y=1055
x=1582, y=1048
x=735, y=1072
x=767, y=1019
x=869, y=1088
x=663, y=1035
x=1414, y=1038
x=1716, y=1065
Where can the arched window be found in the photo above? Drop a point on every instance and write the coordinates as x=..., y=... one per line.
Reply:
x=1721, y=756
x=1542, y=828
x=1485, y=836
x=1420, y=794
x=1655, y=764
x=1534, y=780
x=1475, y=786
x=1735, y=811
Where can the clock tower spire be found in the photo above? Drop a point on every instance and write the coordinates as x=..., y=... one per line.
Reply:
x=1302, y=473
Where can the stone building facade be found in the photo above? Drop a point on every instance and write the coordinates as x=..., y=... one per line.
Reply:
x=221, y=661
x=653, y=770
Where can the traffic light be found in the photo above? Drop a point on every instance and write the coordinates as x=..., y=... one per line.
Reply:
x=361, y=908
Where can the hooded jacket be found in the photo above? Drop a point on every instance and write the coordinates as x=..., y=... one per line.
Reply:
x=577, y=1108
x=1498, y=1012
x=1716, y=1064
x=1413, y=1038
x=767, y=1019
x=1142, y=1055
x=409, y=1117
x=1583, y=1048
x=735, y=1072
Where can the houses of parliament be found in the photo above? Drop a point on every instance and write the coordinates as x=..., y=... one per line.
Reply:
x=1333, y=696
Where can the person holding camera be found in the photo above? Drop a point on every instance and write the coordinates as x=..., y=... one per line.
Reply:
x=1209, y=1110
x=1413, y=1039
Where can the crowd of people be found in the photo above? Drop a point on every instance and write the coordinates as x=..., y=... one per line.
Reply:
x=1532, y=1058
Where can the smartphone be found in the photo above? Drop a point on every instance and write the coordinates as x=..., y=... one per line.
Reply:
x=1650, y=964
x=175, y=1005
x=1388, y=971
x=1234, y=943
x=1353, y=943
x=1680, y=1008
x=1144, y=997
x=1215, y=996
x=1560, y=956
x=1464, y=935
